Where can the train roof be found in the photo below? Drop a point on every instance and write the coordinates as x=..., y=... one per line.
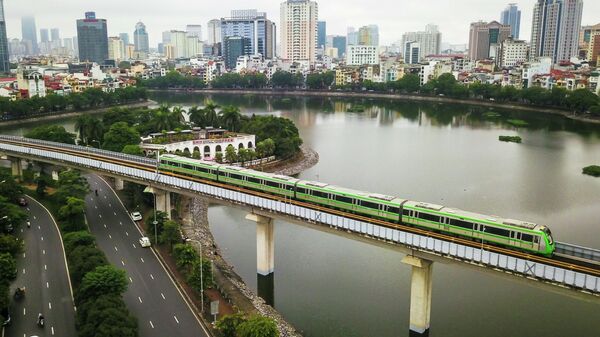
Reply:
x=471, y=215
x=254, y=173
x=361, y=194
x=192, y=161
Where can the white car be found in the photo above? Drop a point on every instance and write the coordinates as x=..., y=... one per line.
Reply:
x=145, y=242
x=136, y=216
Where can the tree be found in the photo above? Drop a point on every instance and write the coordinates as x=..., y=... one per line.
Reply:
x=10, y=244
x=10, y=189
x=229, y=323
x=197, y=116
x=595, y=110
x=82, y=260
x=219, y=157
x=161, y=218
x=200, y=275
x=135, y=150
x=72, y=215
x=230, y=118
x=265, y=148
x=258, y=326
x=210, y=114
x=170, y=233
x=119, y=135
x=230, y=154
x=105, y=316
x=581, y=100
x=11, y=214
x=78, y=239
x=8, y=268
x=409, y=83
x=104, y=280
x=70, y=184
x=53, y=133
x=184, y=255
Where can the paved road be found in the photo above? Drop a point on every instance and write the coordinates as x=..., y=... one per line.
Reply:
x=152, y=296
x=42, y=271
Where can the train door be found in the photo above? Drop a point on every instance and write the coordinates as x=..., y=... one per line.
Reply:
x=381, y=209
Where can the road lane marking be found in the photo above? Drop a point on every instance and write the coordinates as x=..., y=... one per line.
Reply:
x=163, y=296
x=176, y=320
x=96, y=207
x=104, y=197
x=133, y=245
x=116, y=250
x=28, y=209
x=105, y=226
x=21, y=230
x=47, y=285
x=151, y=276
x=100, y=215
x=23, y=255
x=43, y=250
x=52, y=330
x=115, y=213
x=130, y=279
x=126, y=233
x=23, y=270
x=139, y=298
x=110, y=205
x=42, y=238
x=123, y=263
x=121, y=223
x=45, y=267
x=152, y=325
x=49, y=305
x=39, y=227
x=34, y=217
x=141, y=258
x=24, y=311
x=109, y=236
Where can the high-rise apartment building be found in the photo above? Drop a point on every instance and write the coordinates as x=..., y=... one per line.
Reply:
x=254, y=25
x=368, y=35
x=555, y=29
x=29, y=33
x=116, y=49
x=430, y=41
x=321, y=34
x=513, y=52
x=4, y=52
x=44, y=35
x=299, y=30
x=214, y=31
x=92, y=39
x=54, y=34
x=412, y=52
x=125, y=38
x=234, y=47
x=511, y=16
x=339, y=42
x=194, y=30
x=485, y=39
x=178, y=41
x=140, y=38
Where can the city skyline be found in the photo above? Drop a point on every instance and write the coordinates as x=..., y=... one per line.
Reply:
x=452, y=18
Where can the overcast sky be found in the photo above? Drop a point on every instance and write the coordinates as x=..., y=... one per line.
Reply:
x=394, y=17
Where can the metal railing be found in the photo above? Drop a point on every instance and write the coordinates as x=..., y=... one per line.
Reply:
x=578, y=252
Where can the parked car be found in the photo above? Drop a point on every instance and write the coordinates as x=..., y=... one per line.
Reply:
x=145, y=242
x=23, y=201
x=136, y=216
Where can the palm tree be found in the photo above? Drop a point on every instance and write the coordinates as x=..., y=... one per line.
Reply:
x=95, y=131
x=210, y=111
x=197, y=116
x=82, y=125
x=230, y=117
x=162, y=120
x=176, y=116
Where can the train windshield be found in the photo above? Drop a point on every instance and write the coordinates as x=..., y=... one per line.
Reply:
x=548, y=234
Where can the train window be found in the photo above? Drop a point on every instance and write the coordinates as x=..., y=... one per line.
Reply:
x=461, y=224
x=527, y=237
x=320, y=194
x=343, y=199
x=301, y=190
x=496, y=231
x=271, y=183
x=368, y=204
x=430, y=217
x=235, y=176
x=253, y=180
x=395, y=210
x=188, y=167
x=406, y=212
x=201, y=169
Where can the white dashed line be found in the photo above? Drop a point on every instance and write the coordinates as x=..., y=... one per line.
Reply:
x=123, y=263
x=23, y=270
x=21, y=230
x=110, y=205
x=49, y=305
x=100, y=215
x=34, y=217
x=133, y=244
x=139, y=298
x=163, y=296
x=43, y=250
x=28, y=209
x=151, y=276
x=45, y=267
x=23, y=255
x=96, y=207
x=52, y=330
x=42, y=238
x=141, y=258
x=115, y=213
x=152, y=325
x=116, y=250
x=39, y=227
x=130, y=280
x=105, y=226
x=126, y=233
x=109, y=236
x=176, y=320
x=104, y=197
x=47, y=285
x=24, y=311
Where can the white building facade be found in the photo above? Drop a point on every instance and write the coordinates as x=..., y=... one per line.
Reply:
x=358, y=55
x=299, y=30
x=430, y=41
x=513, y=53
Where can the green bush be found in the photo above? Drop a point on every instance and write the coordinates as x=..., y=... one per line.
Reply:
x=512, y=139
x=593, y=170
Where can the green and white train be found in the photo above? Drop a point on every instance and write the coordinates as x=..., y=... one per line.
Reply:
x=515, y=234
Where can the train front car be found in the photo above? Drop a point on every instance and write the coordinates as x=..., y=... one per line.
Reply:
x=549, y=240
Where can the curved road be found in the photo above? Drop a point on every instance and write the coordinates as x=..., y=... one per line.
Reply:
x=151, y=296
x=42, y=271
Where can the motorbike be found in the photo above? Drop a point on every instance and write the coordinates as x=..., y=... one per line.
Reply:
x=19, y=293
x=40, y=321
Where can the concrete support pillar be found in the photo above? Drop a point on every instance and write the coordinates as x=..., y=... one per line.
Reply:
x=265, y=244
x=118, y=184
x=16, y=168
x=163, y=202
x=420, y=294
